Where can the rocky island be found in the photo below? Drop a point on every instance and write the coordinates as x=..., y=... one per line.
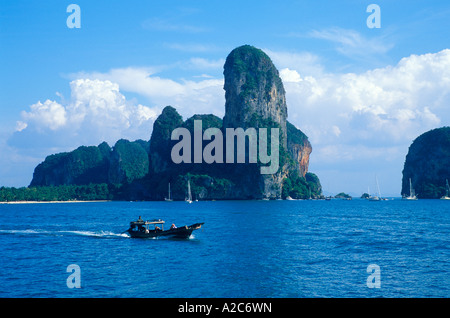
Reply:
x=140, y=170
x=427, y=164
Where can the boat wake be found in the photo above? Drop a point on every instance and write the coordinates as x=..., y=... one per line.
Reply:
x=106, y=234
x=100, y=234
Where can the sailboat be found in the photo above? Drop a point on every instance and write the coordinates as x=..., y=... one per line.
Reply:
x=374, y=198
x=412, y=193
x=447, y=191
x=189, y=198
x=169, y=199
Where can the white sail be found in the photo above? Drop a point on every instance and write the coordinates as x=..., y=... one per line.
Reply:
x=189, y=198
x=412, y=193
x=375, y=198
x=170, y=196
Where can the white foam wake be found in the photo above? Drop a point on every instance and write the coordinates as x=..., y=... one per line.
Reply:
x=59, y=233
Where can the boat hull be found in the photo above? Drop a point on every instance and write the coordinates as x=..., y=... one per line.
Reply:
x=180, y=232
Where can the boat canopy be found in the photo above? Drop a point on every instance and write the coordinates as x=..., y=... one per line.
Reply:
x=159, y=221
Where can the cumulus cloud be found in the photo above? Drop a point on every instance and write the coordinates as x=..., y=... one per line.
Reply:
x=388, y=106
x=97, y=111
x=49, y=115
x=205, y=96
x=362, y=124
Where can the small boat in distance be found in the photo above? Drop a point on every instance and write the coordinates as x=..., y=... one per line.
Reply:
x=447, y=191
x=412, y=193
x=370, y=197
x=377, y=197
x=142, y=229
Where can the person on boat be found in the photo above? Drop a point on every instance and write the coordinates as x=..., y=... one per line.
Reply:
x=157, y=228
x=140, y=219
x=173, y=226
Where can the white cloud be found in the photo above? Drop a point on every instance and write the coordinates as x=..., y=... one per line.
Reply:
x=389, y=106
x=201, y=63
x=305, y=63
x=50, y=115
x=351, y=43
x=362, y=124
x=288, y=75
x=96, y=112
x=189, y=97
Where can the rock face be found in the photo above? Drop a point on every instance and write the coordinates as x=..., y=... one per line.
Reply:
x=428, y=164
x=160, y=143
x=128, y=161
x=255, y=97
x=299, y=148
x=254, y=92
x=81, y=166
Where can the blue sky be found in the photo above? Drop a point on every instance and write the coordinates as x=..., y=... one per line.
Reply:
x=361, y=95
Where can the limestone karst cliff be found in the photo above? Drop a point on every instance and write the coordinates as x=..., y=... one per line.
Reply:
x=123, y=163
x=254, y=92
x=427, y=164
x=299, y=148
x=160, y=142
x=254, y=98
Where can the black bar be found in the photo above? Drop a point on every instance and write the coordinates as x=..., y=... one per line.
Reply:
x=212, y=307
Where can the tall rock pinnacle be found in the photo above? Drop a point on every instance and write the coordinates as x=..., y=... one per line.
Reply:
x=254, y=92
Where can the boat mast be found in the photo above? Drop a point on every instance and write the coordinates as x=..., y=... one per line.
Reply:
x=412, y=192
x=189, y=199
x=410, y=188
x=378, y=187
x=189, y=191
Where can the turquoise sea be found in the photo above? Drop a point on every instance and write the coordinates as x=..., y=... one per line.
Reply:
x=245, y=249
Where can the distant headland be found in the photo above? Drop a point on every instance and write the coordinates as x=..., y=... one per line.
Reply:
x=427, y=164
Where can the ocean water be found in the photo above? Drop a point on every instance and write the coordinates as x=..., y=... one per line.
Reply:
x=245, y=249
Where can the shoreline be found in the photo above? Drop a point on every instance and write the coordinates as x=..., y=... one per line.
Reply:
x=38, y=202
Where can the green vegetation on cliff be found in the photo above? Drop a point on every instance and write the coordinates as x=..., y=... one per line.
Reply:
x=427, y=164
x=84, y=165
x=125, y=162
x=128, y=161
x=298, y=187
x=160, y=141
x=295, y=135
x=256, y=66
